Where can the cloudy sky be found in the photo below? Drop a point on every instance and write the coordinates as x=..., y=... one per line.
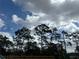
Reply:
x=15, y=14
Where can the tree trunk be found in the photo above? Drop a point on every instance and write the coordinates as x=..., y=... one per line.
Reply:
x=41, y=43
x=64, y=42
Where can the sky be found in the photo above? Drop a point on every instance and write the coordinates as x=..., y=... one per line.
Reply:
x=14, y=14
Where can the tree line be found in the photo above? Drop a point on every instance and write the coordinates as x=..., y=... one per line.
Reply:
x=24, y=42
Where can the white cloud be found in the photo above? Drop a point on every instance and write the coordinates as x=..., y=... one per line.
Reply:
x=16, y=19
x=57, y=1
x=32, y=21
x=2, y=23
x=14, y=0
x=71, y=27
x=36, y=19
x=66, y=8
x=62, y=23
